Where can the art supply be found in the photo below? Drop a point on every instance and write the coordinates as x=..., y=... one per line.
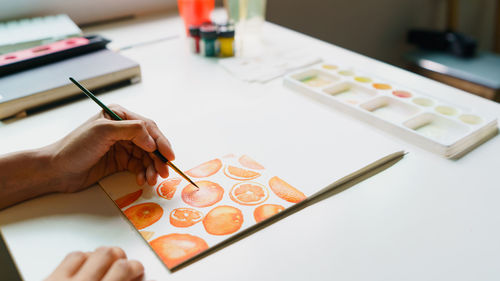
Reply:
x=195, y=12
x=118, y=118
x=212, y=40
x=32, y=88
x=28, y=33
x=435, y=125
x=226, y=40
x=208, y=43
x=50, y=53
x=248, y=12
x=194, y=39
x=253, y=183
x=248, y=16
x=274, y=62
x=236, y=193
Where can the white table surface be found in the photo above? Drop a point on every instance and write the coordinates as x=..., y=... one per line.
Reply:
x=426, y=218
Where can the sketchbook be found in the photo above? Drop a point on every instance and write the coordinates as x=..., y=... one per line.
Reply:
x=49, y=83
x=254, y=162
x=235, y=193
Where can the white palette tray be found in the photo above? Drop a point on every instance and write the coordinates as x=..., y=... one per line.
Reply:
x=432, y=124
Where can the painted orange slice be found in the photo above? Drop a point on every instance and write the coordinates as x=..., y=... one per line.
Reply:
x=223, y=220
x=265, y=211
x=147, y=234
x=175, y=248
x=206, y=169
x=249, y=193
x=128, y=199
x=167, y=188
x=144, y=215
x=285, y=191
x=208, y=194
x=248, y=162
x=240, y=173
x=185, y=217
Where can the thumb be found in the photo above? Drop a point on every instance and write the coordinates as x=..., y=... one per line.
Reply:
x=131, y=130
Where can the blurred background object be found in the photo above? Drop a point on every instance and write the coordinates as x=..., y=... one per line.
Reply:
x=248, y=15
x=28, y=33
x=450, y=56
x=195, y=12
x=373, y=28
x=83, y=12
x=378, y=28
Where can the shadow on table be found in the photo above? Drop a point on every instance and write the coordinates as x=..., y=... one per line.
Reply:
x=86, y=202
x=7, y=266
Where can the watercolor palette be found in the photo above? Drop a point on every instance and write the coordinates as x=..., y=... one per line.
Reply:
x=432, y=124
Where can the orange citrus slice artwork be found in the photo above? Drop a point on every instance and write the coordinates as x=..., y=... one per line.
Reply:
x=147, y=234
x=223, y=220
x=238, y=173
x=181, y=221
x=285, y=191
x=248, y=162
x=208, y=194
x=175, y=248
x=144, y=215
x=167, y=188
x=249, y=193
x=206, y=169
x=185, y=217
x=128, y=199
x=266, y=211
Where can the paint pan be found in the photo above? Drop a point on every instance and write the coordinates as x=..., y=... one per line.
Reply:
x=350, y=92
x=315, y=78
x=446, y=110
x=437, y=127
x=470, y=119
x=329, y=66
x=390, y=109
x=423, y=102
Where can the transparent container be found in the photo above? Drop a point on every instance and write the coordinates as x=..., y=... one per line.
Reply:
x=248, y=16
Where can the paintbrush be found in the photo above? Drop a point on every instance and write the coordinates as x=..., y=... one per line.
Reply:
x=118, y=118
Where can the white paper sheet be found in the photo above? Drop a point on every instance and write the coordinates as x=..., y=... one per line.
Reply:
x=280, y=134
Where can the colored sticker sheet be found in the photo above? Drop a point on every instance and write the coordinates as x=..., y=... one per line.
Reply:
x=180, y=221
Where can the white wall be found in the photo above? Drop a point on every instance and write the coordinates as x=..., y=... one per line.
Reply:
x=374, y=28
x=378, y=28
x=82, y=11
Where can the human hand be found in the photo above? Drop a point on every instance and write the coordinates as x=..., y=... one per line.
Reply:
x=104, y=264
x=102, y=146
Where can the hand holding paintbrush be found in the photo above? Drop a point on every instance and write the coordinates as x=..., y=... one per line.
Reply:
x=151, y=128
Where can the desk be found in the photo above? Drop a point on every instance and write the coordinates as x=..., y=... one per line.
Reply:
x=479, y=75
x=426, y=218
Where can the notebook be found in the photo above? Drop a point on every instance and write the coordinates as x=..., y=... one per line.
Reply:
x=42, y=85
x=26, y=33
x=254, y=163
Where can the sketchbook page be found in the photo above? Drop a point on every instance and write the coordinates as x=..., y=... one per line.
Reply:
x=307, y=142
x=291, y=147
x=180, y=221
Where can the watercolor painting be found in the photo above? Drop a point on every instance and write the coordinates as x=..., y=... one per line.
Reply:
x=179, y=221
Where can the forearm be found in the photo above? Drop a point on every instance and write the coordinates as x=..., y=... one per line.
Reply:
x=25, y=175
